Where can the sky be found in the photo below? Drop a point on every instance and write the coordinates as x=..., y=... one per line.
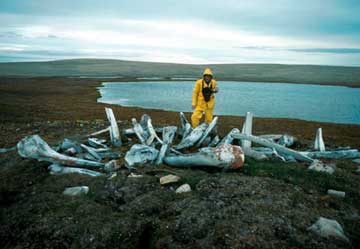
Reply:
x=321, y=32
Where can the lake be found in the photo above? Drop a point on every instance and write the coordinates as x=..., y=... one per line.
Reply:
x=335, y=104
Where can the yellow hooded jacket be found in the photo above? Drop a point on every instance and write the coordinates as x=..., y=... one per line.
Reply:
x=197, y=98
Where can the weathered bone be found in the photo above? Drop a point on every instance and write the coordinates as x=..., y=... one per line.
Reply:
x=192, y=138
x=99, y=132
x=279, y=148
x=168, y=137
x=5, y=150
x=228, y=139
x=114, y=129
x=247, y=129
x=337, y=154
x=139, y=131
x=224, y=156
x=34, y=147
x=92, y=152
x=184, y=123
x=56, y=169
x=209, y=129
x=214, y=141
x=319, y=142
x=140, y=154
x=152, y=133
x=258, y=156
x=94, y=142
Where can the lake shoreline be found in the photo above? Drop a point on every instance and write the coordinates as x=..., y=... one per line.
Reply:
x=41, y=99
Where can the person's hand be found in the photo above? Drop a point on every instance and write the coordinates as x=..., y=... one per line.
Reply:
x=193, y=107
x=216, y=90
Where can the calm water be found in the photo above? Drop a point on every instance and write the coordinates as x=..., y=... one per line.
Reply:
x=309, y=102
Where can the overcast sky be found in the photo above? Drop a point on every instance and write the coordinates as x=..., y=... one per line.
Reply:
x=323, y=32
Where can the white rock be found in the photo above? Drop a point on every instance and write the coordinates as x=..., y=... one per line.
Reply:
x=132, y=175
x=183, y=189
x=336, y=193
x=169, y=179
x=74, y=191
x=328, y=228
x=319, y=166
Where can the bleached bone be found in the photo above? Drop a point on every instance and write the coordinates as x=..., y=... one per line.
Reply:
x=276, y=155
x=192, y=138
x=75, y=191
x=214, y=141
x=187, y=130
x=168, y=137
x=224, y=156
x=258, y=156
x=130, y=131
x=228, y=139
x=319, y=166
x=56, y=169
x=209, y=129
x=5, y=150
x=335, y=193
x=279, y=148
x=36, y=148
x=152, y=133
x=247, y=129
x=109, y=155
x=337, y=154
x=319, y=142
x=139, y=131
x=272, y=137
x=92, y=152
x=99, y=132
x=114, y=129
x=68, y=144
x=184, y=123
x=286, y=140
x=140, y=154
x=94, y=142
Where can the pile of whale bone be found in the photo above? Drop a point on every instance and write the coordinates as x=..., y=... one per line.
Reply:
x=228, y=152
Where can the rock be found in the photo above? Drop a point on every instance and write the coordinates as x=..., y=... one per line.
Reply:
x=336, y=193
x=328, y=228
x=132, y=175
x=74, y=191
x=169, y=179
x=319, y=166
x=183, y=189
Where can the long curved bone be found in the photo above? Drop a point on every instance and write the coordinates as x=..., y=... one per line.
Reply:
x=225, y=156
x=56, y=169
x=279, y=148
x=247, y=129
x=168, y=137
x=209, y=129
x=114, y=129
x=34, y=147
x=319, y=141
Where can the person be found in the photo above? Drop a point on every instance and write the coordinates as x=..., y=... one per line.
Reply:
x=203, y=98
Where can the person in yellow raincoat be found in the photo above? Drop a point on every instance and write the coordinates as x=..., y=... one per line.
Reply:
x=203, y=99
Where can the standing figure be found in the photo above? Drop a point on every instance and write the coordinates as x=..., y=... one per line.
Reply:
x=203, y=98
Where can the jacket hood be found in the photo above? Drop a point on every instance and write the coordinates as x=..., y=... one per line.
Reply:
x=207, y=71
